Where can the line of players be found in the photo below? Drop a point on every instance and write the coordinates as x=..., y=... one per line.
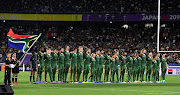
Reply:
x=81, y=62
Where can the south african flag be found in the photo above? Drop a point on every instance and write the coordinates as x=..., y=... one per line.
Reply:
x=20, y=42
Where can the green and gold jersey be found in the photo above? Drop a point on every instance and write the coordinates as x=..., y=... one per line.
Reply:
x=40, y=57
x=139, y=60
x=97, y=61
x=116, y=62
x=134, y=65
x=54, y=56
x=163, y=63
x=73, y=59
x=87, y=58
x=149, y=62
x=123, y=61
x=93, y=62
x=66, y=57
x=129, y=62
x=143, y=56
x=47, y=58
x=112, y=64
x=101, y=59
x=158, y=62
x=61, y=58
x=107, y=58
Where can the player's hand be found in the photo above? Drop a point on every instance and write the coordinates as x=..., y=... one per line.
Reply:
x=31, y=69
x=18, y=61
x=39, y=66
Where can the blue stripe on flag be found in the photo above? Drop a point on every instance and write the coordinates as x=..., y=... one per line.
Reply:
x=16, y=45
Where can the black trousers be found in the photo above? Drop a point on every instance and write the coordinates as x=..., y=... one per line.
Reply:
x=7, y=75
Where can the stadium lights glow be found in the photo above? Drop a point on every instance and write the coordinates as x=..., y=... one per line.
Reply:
x=163, y=25
x=4, y=20
x=125, y=26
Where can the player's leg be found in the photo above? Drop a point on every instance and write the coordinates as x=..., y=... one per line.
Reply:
x=100, y=73
x=74, y=74
x=117, y=74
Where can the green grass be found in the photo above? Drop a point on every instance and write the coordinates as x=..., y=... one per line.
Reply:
x=24, y=88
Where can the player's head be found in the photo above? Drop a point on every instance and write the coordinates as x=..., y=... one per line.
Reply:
x=55, y=51
x=33, y=53
x=158, y=54
x=67, y=47
x=124, y=54
x=14, y=54
x=62, y=50
x=150, y=54
x=8, y=55
x=80, y=49
x=41, y=49
x=108, y=52
x=164, y=55
x=134, y=55
x=93, y=55
x=88, y=51
x=102, y=52
x=48, y=50
x=75, y=50
x=117, y=53
x=144, y=51
x=97, y=52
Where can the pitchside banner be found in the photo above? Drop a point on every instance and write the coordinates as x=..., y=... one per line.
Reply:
x=89, y=17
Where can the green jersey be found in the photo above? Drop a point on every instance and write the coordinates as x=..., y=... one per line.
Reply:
x=143, y=56
x=116, y=62
x=112, y=64
x=97, y=61
x=130, y=62
x=163, y=63
x=40, y=56
x=149, y=62
x=155, y=65
x=134, y=65
x=54, y=58
x=139, y=60
x=73, y=59
x=158, y=62
x=48, y=59
x=101, y=59
x=107, y=63
x=87, y=58
x=123, y=61
x=93, y=62
x=79, y=59
x=66, y=57
x=61, y=58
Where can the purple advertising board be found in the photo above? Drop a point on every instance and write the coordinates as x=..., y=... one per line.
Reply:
x=129, y=17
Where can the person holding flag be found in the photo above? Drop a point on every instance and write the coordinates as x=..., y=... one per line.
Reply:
x=20, y=42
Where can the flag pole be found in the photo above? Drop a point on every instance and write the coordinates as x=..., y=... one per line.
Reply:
x=28, y=50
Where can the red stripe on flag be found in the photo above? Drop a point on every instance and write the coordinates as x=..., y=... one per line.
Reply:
x=16, y=36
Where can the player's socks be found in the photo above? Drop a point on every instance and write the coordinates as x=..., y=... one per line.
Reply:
x=33, y=78
x=16, y=79
x=30, y=78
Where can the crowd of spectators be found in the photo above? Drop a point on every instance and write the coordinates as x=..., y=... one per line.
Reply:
x=88, y=6
x=95, y=37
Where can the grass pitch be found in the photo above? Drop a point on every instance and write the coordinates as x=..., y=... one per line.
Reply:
x=24, y=88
